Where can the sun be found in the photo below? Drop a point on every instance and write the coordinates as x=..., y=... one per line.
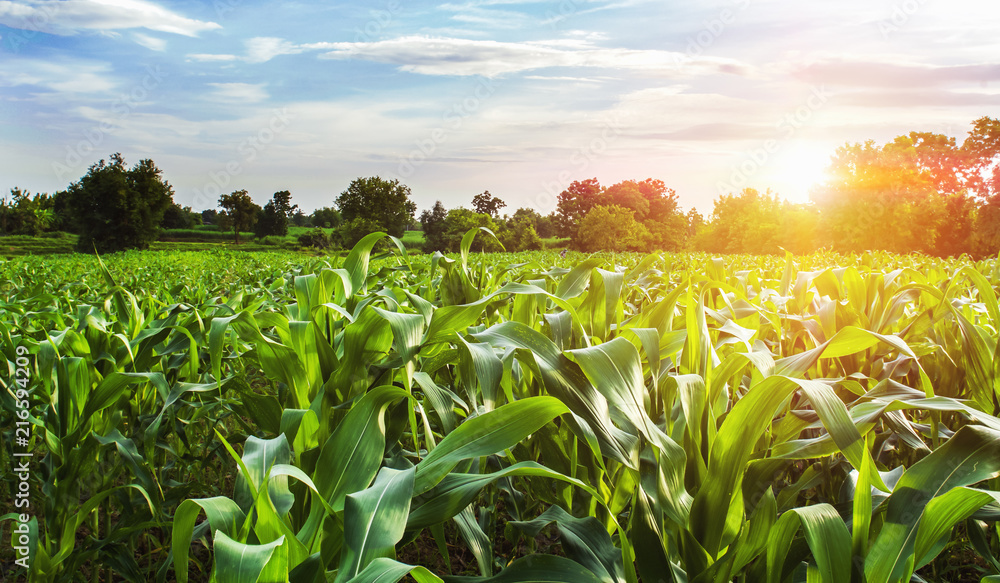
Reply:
x=799, y=166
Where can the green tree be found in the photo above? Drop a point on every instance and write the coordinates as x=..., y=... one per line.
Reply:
x=611, y=228
x=747, y=222
x=574, y=204
x=519, y=234
x=458, y=223
x=273, y=218
x=486, y=203
x=239, y=213
x=435, y=227
x=326, y=217
x=178, y=217
x=356, y=229
x=385, y=202
x=117, y=208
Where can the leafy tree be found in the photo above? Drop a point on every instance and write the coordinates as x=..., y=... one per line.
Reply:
x=178, y=217
x=326, y=217
x=300, y=219
x=518, y=234
x=885, y=197
x=356, y=229
x=385, y=202
x=119, y=208
x=435, y=227
x=747, y=222
x=486, y=203
x=273, y=218
x=574, y=204
x=458, y=223
x=611, y=228
x=209, y=217
x=239, y=212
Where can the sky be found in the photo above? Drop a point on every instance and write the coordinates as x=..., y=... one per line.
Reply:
x=518, y=97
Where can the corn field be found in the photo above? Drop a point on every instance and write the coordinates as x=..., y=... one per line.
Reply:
x=501, y=417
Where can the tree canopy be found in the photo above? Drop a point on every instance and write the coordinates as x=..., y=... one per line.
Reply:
x=384, y=202
x=239, y=213
x=116, y=207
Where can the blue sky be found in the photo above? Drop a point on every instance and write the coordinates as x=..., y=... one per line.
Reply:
x=453, y=98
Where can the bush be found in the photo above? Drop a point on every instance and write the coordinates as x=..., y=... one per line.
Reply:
x=315, y=238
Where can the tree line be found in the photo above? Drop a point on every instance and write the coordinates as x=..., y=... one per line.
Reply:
x=921, y=192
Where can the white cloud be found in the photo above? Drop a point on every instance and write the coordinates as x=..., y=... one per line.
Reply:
x=239, y=92
x=261, y=49
x=150, y=42
x=66, y=76
x=209, y=58
x=68, y=17
x=452, y=56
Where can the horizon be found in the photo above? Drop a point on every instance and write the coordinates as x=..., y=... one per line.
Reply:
x=519, y=98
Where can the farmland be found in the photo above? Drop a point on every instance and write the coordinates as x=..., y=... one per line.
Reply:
x=500, y=417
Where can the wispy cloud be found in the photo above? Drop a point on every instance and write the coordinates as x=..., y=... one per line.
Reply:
x=239, y=92
x=150, y=42
x=67, y=17
x=462, y=57
x=63, y=76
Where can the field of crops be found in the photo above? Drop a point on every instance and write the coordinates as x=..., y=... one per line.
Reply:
x=502, y=417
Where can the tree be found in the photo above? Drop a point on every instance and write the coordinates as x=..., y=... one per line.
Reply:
x=611, y=228
x=209, y=217
x=458, y=223
x=178, y=217
x=434, y=225
x=518, y=234
x=385, y=202
x=356, y=229
x=486, y=203
x=889, y=197
x=747, y=222
x=239, y=212
x=574, y=204
x=273, y=218
x=117, y=208
x=326, y=217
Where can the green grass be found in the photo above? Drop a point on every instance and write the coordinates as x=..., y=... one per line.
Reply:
x=413, y=239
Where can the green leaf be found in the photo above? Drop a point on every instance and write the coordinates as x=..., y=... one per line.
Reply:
x=236, y=562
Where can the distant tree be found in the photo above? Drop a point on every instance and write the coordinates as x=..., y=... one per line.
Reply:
x=385, y=202
x=519, y=234
x=458, y=223
x=239, y=212
x=209, y=217
x=746, y=222
x=354, y=230
x=178, y=217
x=574, y=204
x=326, y=217
x=434, y=224
x=486, y=203
x=119, y=208
x=695, y=222
x=273, y=218
x=300, y=219
x=611, y=228
x=627, y=195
